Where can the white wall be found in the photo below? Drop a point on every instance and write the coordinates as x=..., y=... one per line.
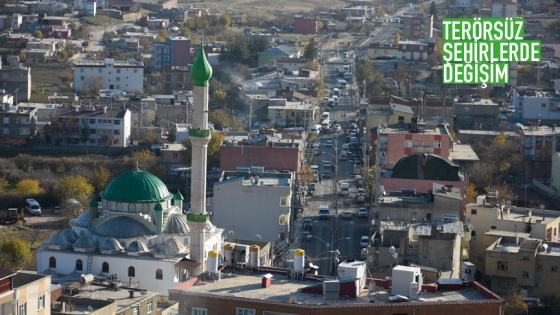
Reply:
x=116, y=78
x=30, y=294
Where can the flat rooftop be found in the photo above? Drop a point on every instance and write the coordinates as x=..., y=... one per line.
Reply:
x=463, y=152
x=283, y=289
x=429, y=129
x=121, y=297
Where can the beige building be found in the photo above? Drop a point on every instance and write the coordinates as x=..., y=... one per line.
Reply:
x=24, y=293
x=417, y=26
x=528, y=263
x=533, y=223
x=290, y=114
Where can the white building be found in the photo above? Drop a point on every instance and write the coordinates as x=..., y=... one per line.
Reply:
x=254, y=205
x=110, y=74
x=532, y=104
x=138, y=233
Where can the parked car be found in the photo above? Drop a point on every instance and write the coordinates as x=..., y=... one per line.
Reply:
x=326, y=174
x=305, y=236
x=363, y=212
x=347, y=214
x=307, y=224
x=364, y=241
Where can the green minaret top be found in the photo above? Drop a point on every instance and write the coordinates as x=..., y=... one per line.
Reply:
x=201, y=70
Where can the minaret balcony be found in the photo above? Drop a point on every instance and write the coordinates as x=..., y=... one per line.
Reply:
x=201, y=218
x=199, y=133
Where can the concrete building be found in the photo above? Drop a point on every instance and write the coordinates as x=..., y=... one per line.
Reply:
x=281, y=155
x=105, y=126
x=393, y=142
x=174, y=52
x=489, y=220
x=414, y=50
x=276, y=292
x=290, y=113
x=266, y=58
x=417, y=26
x=176, y=78
x=538, y=144
x=306, y=25
x=389, y=115
x=481, y=114
x=16, y=80
x=109, y=74
x=377, y=50
x=19, y=125
x=241, y=196
x=24, y=293
x=504, y=8
x=532, y=104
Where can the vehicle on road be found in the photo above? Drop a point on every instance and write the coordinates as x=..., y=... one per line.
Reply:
x=311, y=186
x=361, y=191
x=364, y=241
x=347, y=214
x=363, y=213
x=343, y=156
x=11, y=216
x=344, y=189
x=337, y=127
x=32, y=206
x=307, y=224
x=306, y=236
x=327, y=165
x=324, y=212
x=326, y=174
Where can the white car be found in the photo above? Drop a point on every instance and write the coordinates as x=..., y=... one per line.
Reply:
x=364, y=241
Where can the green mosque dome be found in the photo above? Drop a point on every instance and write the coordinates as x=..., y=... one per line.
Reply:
x=201, y=70
x=136, y=187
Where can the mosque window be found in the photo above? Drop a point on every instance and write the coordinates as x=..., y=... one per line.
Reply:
x=159, y=274
x=131, y=272
x=79, y=265
x=105, y=267
x=131, y=207
x=52, y=262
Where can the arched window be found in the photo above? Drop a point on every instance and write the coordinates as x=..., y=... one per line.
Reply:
x=131, y=207
x=105, y=267
x=131, y=271
x=159, y=274
x=52, y=262
x=79, y=265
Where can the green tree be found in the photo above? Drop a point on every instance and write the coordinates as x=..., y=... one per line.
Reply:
x=3, y=184
x=213, y=150
x=100, y=178
x=145, y=159
x=515, y=305
x=220, y=98
x=433, y=9
x=15, y=254
x=38, y=34
x=225, y=20
x=73, y=187
x=29, y=187
x=161, y=36
x=397, y=39
x=311, y=50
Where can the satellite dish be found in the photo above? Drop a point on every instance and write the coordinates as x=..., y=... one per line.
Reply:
x=541, y=206
x=395, y=255
x=392, y=249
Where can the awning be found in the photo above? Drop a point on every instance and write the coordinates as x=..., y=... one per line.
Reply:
x=188, y=264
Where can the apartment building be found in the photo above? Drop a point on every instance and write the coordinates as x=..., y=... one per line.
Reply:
x=17, y=80
x=417, y=26
x=414, y=50
x=489, y=220
x=176, y=78
x=174, y=52
x=290, y=113
x=533, y=104
x=109, y=74
x=24, y=293
x=306, y=25
x=538, y=144
x=19, y=125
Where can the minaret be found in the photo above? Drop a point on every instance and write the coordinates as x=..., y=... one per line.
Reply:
x=199, y=136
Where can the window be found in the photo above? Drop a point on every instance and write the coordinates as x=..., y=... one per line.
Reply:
x=543, y=105
x=503, y=266
x=554, y=268
x=159, y=275
x=82, y=78
x=245, y=311
x=82, y=70
x=473, y=211
x=131, y=272
x=199, y=311
x=41, y=302
x=6, y=120
x=116, y=132
x=283, y=201
x=118, y=79
x=92, y=121
x=525, y=274
x=23, y=309
x=150, y=307
x=539, y=267
x=52, y=262
x=136, y=310
x=437, y=144
x=105, y=267
x=408, y=143
x=135, y=70
x=100, y=70
x=117, y=122
x=473, y=233
x=79, y=265
x=118, y=70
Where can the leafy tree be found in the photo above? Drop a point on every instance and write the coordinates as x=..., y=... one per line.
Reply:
x=3, y=184
x=471, y=193
x=29, y=186
x=515, y=305
x=153, y=137
x=423, y=9
x=397, y=39
x=373, y=79
x=100, y=178
x=225, y=20
x=244, y=49
x=145, y=159
x=311, y=50
x=220, y=97
x=161, y=36
x=433, y=9
x=38, y=34
x=73, y=187
x=15, y=254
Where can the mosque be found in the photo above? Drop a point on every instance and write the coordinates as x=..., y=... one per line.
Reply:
x=138, y=234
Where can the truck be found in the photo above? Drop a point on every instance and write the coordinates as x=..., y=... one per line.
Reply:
x=324, y=212
x=12, y=215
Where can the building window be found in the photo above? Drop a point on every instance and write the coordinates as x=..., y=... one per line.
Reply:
x=554, y=268
x=437, y=144
x=116, y=132
x=543, y=105
x=118, y=79
x=117, y=122
x=100, y=70
x=41, y=302
x=92, y=121
x=408, y=143
x=245, y=311
x=525, y=274
x=6, y=120
x=118, y=70
x=136, y=310
x=131, y=272
x=82, y=78
x=503, y=266
x=539, y=267
x=159, y=274
x=283, y=201
x=473, y=233
x=473, y=211
x=150, y=307
x=105, y=267
x=199, y=311
x=79, y=265
x=52, y=262
x=23, y=309
x=135, y=70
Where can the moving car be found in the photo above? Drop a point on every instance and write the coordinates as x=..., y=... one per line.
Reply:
x=307, y=224
x=364, y=241
x=305, y=236
x=347, y=214
x=363, y=212
x=326, y=174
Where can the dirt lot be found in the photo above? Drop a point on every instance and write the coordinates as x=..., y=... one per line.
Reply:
x=268, y=7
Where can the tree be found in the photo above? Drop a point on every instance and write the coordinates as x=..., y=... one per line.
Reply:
x=471, y=193
x=311, y=50
x=220, y=97
x=161, y=36
x=397, y=39
x=423, y=9
x=100, y=178
x=433, y=9
x=145, y=159
x=515, y=305
x=73, y=187
x=15, y=254
x=38, y=34
x=29, y=187
x=213, y=150
x=225, y=20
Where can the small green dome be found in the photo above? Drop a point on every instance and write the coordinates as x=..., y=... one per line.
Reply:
x=94, y=203
x=201, y=70
x=158, y=207
x=136, y=187
x=178, y=196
